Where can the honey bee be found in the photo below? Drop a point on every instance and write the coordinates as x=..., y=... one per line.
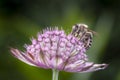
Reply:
x=83, y=34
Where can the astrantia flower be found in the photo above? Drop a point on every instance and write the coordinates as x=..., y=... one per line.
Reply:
x=53, y=49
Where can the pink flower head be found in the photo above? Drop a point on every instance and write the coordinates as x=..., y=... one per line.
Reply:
x=53, y=49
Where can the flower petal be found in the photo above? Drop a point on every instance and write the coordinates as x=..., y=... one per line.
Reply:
x=93, y=67
x=83, y=66
x=74, y=67
x=18, y=54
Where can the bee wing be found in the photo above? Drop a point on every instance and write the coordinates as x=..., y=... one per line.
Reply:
x=87, y=39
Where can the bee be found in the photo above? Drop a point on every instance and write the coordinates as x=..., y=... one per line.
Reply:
x=83, y=34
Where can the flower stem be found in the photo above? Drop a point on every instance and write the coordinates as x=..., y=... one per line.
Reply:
x=55, y=74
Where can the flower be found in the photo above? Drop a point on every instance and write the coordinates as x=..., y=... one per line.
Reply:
x=53, y=49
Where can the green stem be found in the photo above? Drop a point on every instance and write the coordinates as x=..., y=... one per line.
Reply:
x=55, y=74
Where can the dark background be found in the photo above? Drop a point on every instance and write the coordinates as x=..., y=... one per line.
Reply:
x=22, y=19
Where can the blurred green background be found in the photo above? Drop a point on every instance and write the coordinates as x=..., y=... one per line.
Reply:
x=22, y=19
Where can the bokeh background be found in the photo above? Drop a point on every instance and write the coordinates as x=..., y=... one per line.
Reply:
x=22, y=19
